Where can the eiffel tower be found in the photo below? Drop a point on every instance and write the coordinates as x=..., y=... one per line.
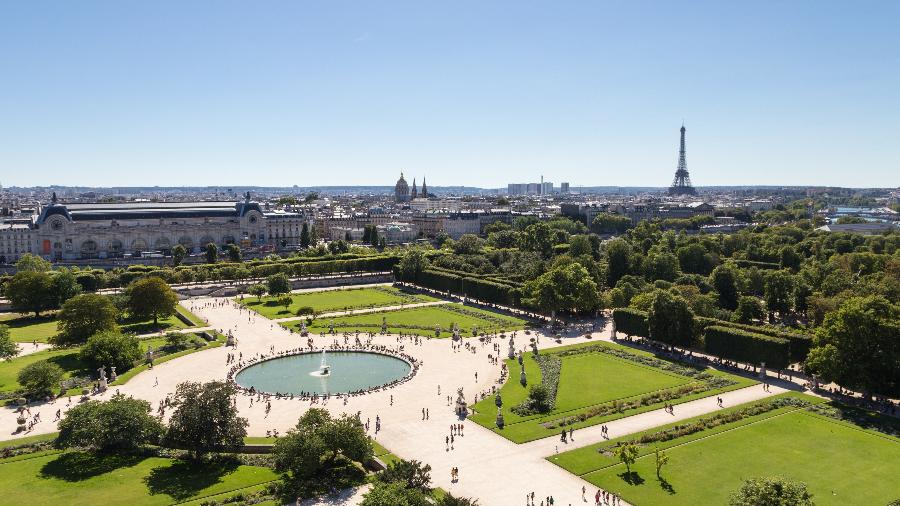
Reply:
x=682, y=183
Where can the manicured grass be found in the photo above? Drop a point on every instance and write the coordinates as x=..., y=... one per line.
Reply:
x=28, y=440
x=840, y=462
x=27, y=328
x=586, y=380
x=334, y=300
x=419, y=320
x=81, y=479
x=66, y=358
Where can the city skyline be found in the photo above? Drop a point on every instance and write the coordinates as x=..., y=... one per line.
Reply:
x=473, y=95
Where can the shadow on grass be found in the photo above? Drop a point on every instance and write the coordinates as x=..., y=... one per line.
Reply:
x=632, y=478
x=183, y=480
x=79, y=466
x=665, y=485
x=69, y=362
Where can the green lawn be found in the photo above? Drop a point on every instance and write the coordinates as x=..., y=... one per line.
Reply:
x=419, y=320
x=68, y=360
x=334, y=300
x=27, y=328
x=586, y=380
x=840, y=462
x=75, y=478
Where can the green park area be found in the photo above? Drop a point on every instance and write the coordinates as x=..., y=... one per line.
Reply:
x=591, y=383
x=835, y=450
x=86, y=479
x=419, y=320
x=326, y=301
x=27, y=328
x=69, y=361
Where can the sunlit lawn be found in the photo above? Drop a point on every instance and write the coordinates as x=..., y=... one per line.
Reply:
x=586, y=380
x=333, y=300
x=840, y=462
x=82, y=479
x=421, y=320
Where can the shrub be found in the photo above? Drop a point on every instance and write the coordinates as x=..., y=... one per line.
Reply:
x=108, y=349
x=40, y=378
x=303, y=310
x=122, y=423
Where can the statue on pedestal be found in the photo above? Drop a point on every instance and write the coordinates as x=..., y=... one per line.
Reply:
x=303, y=331
x=522, y=378
x=762, y=371
x=230, y=341
x=112, y=373
x=511, y=353
x=534, y=348
x=437, y=331
x=103, y=382
x=384, y=327
x=614, y=329
x=462, y=408
x=500, y=421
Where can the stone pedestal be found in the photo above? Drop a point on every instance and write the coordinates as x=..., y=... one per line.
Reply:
x=512, y=348
x=461, y=408
x=112, y=374
x=522, y=378
x=614, y=329
x=762, y=371
x=500, y=421
x=230, y=341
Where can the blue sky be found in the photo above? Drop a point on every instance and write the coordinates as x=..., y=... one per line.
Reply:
x=478, y=93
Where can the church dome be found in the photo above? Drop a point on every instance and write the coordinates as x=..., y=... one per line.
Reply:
x=401, y=190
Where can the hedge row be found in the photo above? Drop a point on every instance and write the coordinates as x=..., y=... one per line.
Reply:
x=470, y=286
x=743, y=346
x=631, y=322
x=800, y=343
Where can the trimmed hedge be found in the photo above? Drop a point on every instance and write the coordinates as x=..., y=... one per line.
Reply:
x=470, y=286
x=743, y=346
x=631, y=322
x=800, y=343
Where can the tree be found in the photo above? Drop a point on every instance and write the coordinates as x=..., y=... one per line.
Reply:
x=412, y=263
x=373, y=236
x=178, y=254
x=64, y=285
x=205, y=419
x=151, y=297
x=32, y=263
x=468, y=244
x=258, y=290
x=662, y=458
x=278, y=284
x=40, y=378
x=771, y=491
x=858, y=346
x=538, y=237
x=671, y=320
x=8, y=347
x=580, y=245
x=661, y=266
x=234, y=252
x=724, y=280
x=316, y=444
x=694, y=259
x=608, y=223
x=304, y=235
x=627, y=453
x=111, y=348
x=788, y=258
x=411, y=473
x=285, y=301
x=618, y=257
x=394, y=494
x=450, y=500
x=212, y=253
x=30, y=292
x=748, y=310
x=121, y=423
x=83, y=316
x=567, y=287
x=779, y=291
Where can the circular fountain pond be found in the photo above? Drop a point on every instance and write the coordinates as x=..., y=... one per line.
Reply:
x=342, y=372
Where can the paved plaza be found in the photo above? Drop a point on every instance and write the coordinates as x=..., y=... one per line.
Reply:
x=491, y=468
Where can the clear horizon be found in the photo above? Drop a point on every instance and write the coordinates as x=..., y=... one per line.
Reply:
x=471, y=94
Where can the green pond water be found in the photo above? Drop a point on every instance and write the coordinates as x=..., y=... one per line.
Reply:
x=349, y=371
